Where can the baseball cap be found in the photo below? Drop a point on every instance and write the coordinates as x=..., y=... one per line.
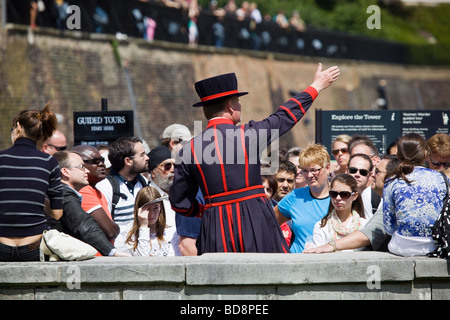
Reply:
x=177, y=132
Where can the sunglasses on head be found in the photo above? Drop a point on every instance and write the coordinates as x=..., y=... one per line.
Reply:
x=335, y=152
x=95, y=161
x=363, y=172
x=342, y=194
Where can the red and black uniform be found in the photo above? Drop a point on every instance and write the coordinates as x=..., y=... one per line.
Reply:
x=223, y=160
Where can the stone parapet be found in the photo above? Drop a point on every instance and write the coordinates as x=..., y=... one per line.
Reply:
x=249, y=276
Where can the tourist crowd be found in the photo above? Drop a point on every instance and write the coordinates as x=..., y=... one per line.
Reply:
x=126, y=200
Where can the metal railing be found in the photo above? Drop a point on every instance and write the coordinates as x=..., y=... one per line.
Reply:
x=152, y=19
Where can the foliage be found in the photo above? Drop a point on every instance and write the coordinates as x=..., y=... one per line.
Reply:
x=426, y=29
x=406, y=24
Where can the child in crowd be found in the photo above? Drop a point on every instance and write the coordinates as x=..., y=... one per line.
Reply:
x=147, y=234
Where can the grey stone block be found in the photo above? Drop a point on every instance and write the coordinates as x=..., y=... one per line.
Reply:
x=273, y=269
x=128, y=270
x=29, y=272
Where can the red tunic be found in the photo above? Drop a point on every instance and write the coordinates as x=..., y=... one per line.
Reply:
x=224, y=161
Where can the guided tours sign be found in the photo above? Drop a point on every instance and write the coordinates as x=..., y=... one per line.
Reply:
x=382, y=126
x=102, y=127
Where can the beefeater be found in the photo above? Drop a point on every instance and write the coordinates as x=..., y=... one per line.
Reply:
x=224, y=161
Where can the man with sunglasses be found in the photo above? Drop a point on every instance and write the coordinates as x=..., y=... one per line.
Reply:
x=439, y=156
x=174, y=137
x=360, y=166
x=161, y=169
x=94, y=202
x=57, y=142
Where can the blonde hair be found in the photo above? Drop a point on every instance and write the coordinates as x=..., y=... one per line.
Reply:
x=314, y=154
x=439, y=144
x=344, y=138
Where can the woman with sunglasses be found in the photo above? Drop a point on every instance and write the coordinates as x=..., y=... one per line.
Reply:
x=439, y=155
x=412, y=199
x=27, y=178
x=339, y=149
x=345, y=213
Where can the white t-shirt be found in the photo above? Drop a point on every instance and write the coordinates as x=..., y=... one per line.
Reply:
x=148, y=244
x=366, y=197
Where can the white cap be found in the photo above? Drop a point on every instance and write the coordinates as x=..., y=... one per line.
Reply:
x=177, y=132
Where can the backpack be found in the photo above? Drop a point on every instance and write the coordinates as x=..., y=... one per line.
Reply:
x=116, y=190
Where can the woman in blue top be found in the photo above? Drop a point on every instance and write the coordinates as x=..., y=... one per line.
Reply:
x=306, y=206
x=27, y=178
x=412, y=199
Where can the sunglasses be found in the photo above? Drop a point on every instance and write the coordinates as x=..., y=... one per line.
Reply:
x=440, y=164
x=335, y=152
x=377, y=172
x=343, y=194
x=95, y=161
x=363, y=172
x=167, y=166
x=58, y=148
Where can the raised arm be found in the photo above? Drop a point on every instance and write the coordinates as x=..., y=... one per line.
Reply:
x=323, y=79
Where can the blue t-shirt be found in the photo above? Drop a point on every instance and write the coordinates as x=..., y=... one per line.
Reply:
x=190, y=226
x=305, y=211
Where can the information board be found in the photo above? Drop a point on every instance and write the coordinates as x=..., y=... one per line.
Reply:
x=382, y=126
x=102, y=127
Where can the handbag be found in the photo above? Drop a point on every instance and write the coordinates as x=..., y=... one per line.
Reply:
x=60, y=246
x=440, y=232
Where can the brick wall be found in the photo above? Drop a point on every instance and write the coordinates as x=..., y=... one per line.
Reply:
x=74, y=72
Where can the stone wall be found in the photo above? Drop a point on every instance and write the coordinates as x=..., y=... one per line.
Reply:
x=73, y=71
x=359, y=275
